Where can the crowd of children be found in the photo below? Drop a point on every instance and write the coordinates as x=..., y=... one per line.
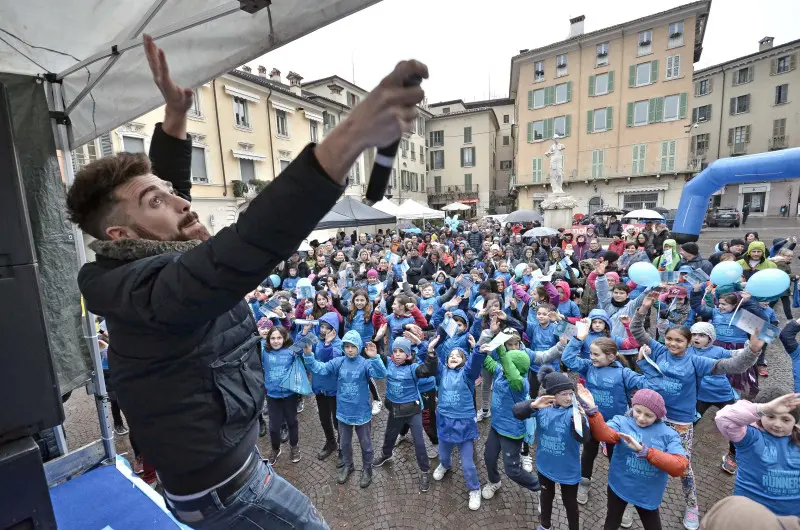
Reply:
x=548, y=339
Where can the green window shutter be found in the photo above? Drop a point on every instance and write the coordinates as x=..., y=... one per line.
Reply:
x=568, y=125
x=651, y=110
x=629, y=117
x=589, y=122
x=548, y=128
x=609, y=118
x=654, y=71
x=664, y=155
x=642, y=157
x=530, y=132
x=683, y=104
x=569, y=91
x=611, y=81
x=632, y=76
x=530, y=100
x=591, y=85
x=659, y=109
x=549, y=95
x=635, y=160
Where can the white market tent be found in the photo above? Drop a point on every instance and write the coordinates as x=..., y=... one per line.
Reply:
x=75, y=69
x=387, y=206
x=455, y=207
x=411, y=209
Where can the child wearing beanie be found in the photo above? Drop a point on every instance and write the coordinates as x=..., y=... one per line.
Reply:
x=649, y=452
x=558, y=444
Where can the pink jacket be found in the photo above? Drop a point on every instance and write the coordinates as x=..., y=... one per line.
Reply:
x=732, y=420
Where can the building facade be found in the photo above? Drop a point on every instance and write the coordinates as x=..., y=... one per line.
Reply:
x=745, y=106
x=619, y=99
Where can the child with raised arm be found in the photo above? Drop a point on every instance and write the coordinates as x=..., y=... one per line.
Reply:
x=649, y=452
x=353, y=405
x=767, y=440
x=675, y=378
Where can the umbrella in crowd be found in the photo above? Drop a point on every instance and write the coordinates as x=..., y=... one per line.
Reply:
x=609, y=210
x=540, y=231
x=455, y=206
x=648, y=215
x=524, y=216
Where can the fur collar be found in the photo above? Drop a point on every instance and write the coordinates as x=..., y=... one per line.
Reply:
x=133, y=249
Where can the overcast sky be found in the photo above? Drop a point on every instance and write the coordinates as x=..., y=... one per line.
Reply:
x=468, y=44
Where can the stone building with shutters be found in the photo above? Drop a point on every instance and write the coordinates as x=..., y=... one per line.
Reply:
x=745, y=106
x=620, y=98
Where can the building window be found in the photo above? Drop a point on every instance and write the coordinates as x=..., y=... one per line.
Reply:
x=196, y=110
x=701, y=114
x=86, y=154
x=671, y=107
x=601, y=84
x=132, y=144
x=561, y=65
x=781, y=94
x=778, y=140
x=421, y=154
x=738, y=138
x=536, y=169
x=595, y=203
x=505, y=164
x=645, y=42
x=467, y=135
x=437, y=184
x=599, y=120
x=446, y=110
x=329, y=121
x=703, y=88
x=506, y=118
x=404, y=148
x=639, y=158
x=535, y=130
x=598, y=158
x=437, y=138
x=505, y=140
x=284, y=164
x=421, y=126
x=602, y=54
x=668, y=149
x=437, y=159
x=784, y=64
x=394, y=178
x=673, y=67
x=199, y=170
x=743, y=75
x=561, y=126
x=240, y=112
x=468, y=182
x=352, y=99
x=247, y=170
x=538, y=98
x=700, y=144
x=562, y=93
x=640, y=112
x=638, y=201
x=538, y=71
x=281, y=123
x=313, y=131
x=643, y=74
x=413, y=151
x=467, y=157
x=740, y=104
x=675, y=35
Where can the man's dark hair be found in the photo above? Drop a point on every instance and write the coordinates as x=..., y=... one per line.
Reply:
x=91, y=201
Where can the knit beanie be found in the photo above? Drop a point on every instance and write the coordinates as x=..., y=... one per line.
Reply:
x=553, y=382
x=691, y=248
x=737, y=242
x=705, y=328
x=423, y=282
x=372, y=273
x=264, y=322
x=610, y=256
x=284, y=294
x=652, y=400
x=403, y=344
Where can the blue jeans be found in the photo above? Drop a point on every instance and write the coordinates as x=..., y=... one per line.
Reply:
x=497, y=443
x=467, y=462
x=267, y=502
x=364, y=433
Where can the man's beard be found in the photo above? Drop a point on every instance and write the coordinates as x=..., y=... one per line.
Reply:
x=199, y=231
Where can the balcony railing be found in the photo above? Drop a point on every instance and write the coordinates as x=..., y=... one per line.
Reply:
x=454, y=192
x=778, y=142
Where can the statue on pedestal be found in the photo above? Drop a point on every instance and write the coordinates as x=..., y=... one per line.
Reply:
x=556, y=165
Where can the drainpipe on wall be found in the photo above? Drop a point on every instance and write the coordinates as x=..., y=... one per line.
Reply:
x=269, y=130
x=219, y=139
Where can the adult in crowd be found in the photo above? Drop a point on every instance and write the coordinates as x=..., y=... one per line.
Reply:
x=690, y=256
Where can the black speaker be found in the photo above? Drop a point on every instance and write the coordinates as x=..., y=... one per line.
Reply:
x=28, y=385
x=25, y=502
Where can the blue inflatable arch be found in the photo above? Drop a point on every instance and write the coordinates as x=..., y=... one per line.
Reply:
x=761, y=167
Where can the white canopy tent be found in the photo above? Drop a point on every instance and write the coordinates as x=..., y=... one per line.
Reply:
x=385, y=205
x=411, y=209
x=455, y=207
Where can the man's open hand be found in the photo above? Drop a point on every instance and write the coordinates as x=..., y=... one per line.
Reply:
x=176, y=98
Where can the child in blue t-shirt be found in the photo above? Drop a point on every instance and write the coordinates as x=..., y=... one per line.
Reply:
x=277, y=359
x=649, y=452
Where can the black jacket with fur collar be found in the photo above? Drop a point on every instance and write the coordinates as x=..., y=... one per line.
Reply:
x=184, y=351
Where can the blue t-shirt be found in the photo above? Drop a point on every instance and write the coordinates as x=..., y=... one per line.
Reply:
x=401, y=382
x=558, y=453
x=769, y=471
x=632, y=478
x=713, y=388
x=276, y=364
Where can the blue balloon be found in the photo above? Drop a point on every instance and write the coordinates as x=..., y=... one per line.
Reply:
x=768, y=283
x=643, y=273
x=726, y=273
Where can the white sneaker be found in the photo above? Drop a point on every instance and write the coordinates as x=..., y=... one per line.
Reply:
x=433, y=451
x=583, y=491
x=376, y=407
x=627, y=517
x=483, y=414
x=440, y=472
x=474, y=500
x=489, y=489
x=527, y=463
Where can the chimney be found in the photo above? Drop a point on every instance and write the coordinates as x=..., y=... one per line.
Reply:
x=262, y=71
x=765, y=43
x=294, y=83
x=576, y=26
x=247, y=69
x=275, y=75
x=523, y=51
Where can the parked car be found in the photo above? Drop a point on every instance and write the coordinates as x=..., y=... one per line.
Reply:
x=669, y=219
x=724, y=216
